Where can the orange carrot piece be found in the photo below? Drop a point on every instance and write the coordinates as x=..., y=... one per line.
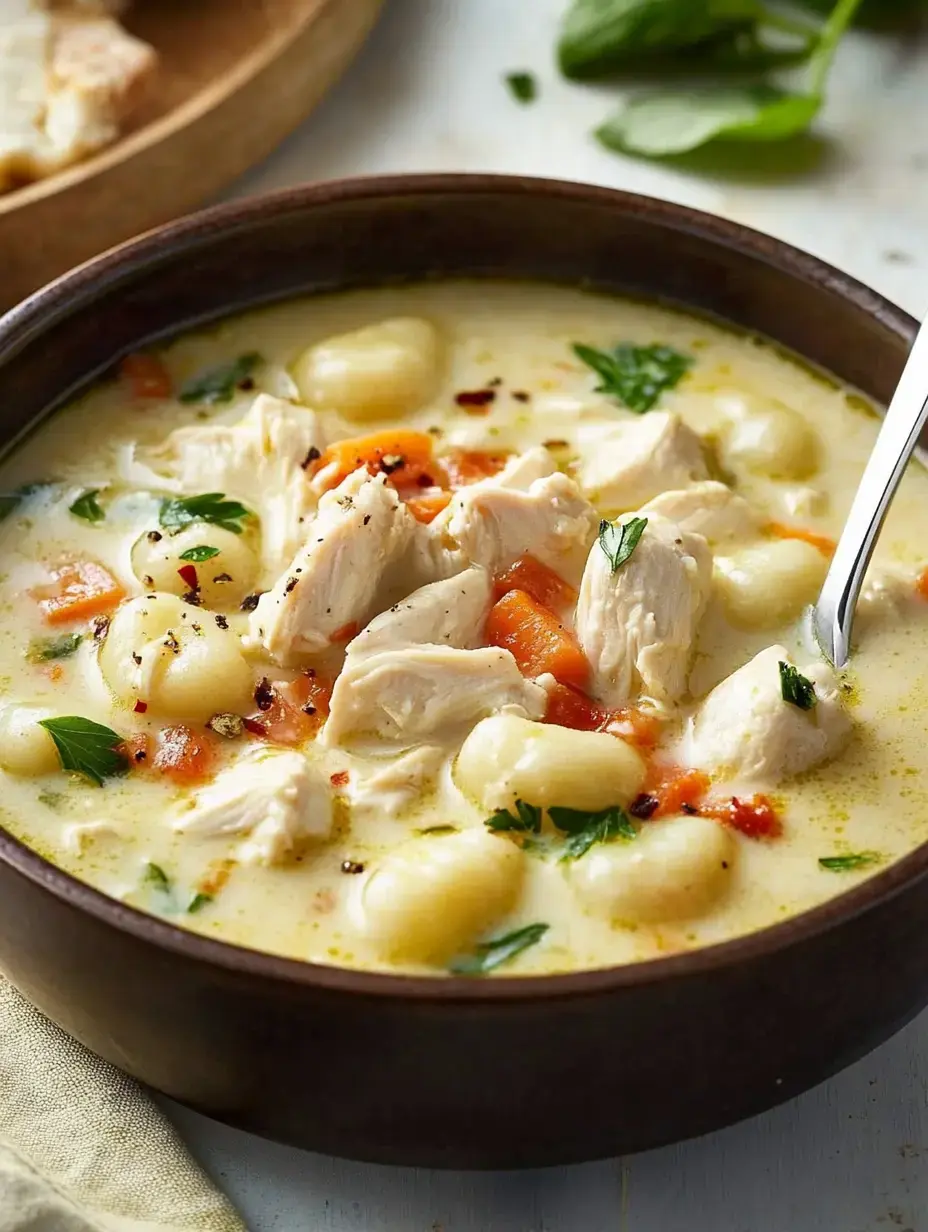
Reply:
x=921, y=585
x=297, y=711
x=78, y=590
x=405, y=457
x=137, y=749
x=536, y=639
x=426, y=506
x=464, y=466
x=146, y=376
x=216, y=876
x=537, y=580
x=676, y=790
x=635, y=726
x=824, y=543
x=569, y=707
x=183, y=755
x=346, y=633
x=754, y=818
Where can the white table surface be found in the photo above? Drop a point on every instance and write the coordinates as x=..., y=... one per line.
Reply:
x=427, y=94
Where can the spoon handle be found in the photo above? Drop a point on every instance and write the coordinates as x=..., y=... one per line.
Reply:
x=902, y=426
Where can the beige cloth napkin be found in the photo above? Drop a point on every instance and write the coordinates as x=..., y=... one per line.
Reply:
x=83, y=1148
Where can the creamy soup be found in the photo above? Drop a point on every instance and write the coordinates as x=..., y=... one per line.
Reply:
x=457, y=627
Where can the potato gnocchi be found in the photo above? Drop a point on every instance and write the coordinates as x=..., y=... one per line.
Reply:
x=457, y=628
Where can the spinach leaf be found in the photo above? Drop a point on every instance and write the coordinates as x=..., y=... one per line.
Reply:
x=491, y=954
x=86, y=747
x=87, y=507
x=635, y=375
x=795, y=688
x=586, y=829
x=618, y=541
x=527, y=819
x=210, y=507
x=846, y=864
x=522, y=86
x=218, y=384
x=199, y=554
x=44, y=650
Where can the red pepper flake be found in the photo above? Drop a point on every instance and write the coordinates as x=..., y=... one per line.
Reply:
x=140, y=707
x=253, y=726
x=339, y=779
x=476, y=401
x=189, y=574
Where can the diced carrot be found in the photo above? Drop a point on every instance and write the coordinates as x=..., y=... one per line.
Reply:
x=346, y=633
x=426, y=506
x=298, y=709
x=78, y=590
x=464, y=466
x=217, y=874
x=676, y=790
x=312, y=693
x=634, y=725
x=183, y=755
x=405, y=457
x=921, y=585
x=569, y=707
x=537, y=580
x=137, y=749
x=754, y=818
x=824, y=543
x=536, y=639
x=146, y=375
x=55, y=672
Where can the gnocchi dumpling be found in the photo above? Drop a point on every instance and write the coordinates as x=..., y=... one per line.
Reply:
x=763, y=586
x=392, y=368
x=674, y=870
x=436, y=895
x=175, y=658
x=506, y=758
x=225, y=564
x=26, y=748
x=775, y=441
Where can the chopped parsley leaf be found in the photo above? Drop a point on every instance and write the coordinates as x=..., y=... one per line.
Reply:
x=218, y=384
x=87, y=507
x=635, y=375
x=619, y=539
x=86, y=747
x=44, y=650
x=527, y=819
x=491, y=954
x=795, y=688
x=200, y=553
x=586, y=829
x=846, y=864
x=210, y=507
x=522, y=86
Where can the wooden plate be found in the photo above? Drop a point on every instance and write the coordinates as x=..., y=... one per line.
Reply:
x=235, y=77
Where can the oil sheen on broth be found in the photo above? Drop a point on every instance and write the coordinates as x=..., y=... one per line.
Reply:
x=420, y=639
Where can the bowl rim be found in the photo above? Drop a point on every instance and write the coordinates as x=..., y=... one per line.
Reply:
x=71, y=291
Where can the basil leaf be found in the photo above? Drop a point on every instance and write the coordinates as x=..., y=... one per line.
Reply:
x=44, y=650
x=795, y=688
x=522, y=86
x=11, y=501
x=210, y=507
x=635, y=375
x=86, y=747
x=198, y=902
x=619, y=539
x=491, y=954
x=200, y=553
x=218, y=384
x=586, y=829
x=845, y=864
x=527, y=819
x=86, y=506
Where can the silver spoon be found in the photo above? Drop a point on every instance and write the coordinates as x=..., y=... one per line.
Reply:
x=833, y=615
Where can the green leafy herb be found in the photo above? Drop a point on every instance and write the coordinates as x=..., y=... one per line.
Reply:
x=619, y=539
x=45, y=649
x=492, y=954
x=198, y=902
x=218, y=384
x=846, y=864
x=635, y=375
x=86, y=747
x=586, y=829
x=156, y=876
x=10, y=501
x=522, y=86
x=87, y=507
x=210, y=507
x=795, y=688
x=527, y=819
x=200, y=553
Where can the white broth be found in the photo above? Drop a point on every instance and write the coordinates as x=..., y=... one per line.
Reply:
x=576, y=720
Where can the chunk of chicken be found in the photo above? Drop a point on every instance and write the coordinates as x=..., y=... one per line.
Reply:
x=257, y=461
x=637, y=625
x=528, y=508
x=745, y=729
x=389, y=788
x=275, y=799
x=335, y=581
x=640, y=458
x=709, y=509
x=412, y=674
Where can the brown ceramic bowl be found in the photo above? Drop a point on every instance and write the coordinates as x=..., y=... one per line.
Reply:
x=455, y=1072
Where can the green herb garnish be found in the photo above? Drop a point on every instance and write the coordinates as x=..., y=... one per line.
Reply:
x=619, y=539
x=156, y=876
x=200, y=553
x=210, y=507
x=635, y=375
x=87, y=507
x=198, y=902
x=218, y=384
x=45, y=649
x=86, y=747
x=491, y=954
x=795, y=688
x=522, y=86
x=586, y=829
x=527, y=819
x=846, y=864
